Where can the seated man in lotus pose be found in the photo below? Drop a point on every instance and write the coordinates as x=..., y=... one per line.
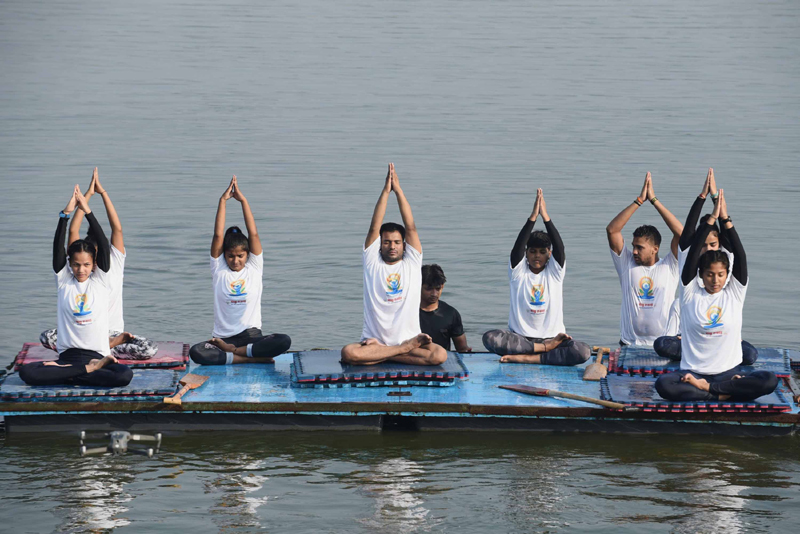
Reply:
x=711, y=324
x=392, y=258
x=536, y=317
x=669, y=345
x=648, y=283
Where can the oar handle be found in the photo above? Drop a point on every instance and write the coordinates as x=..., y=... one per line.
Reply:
x=600, y=351
x=607, y=404
x=176, y=399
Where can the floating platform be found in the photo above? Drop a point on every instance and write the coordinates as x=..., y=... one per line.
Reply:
x=291, y=395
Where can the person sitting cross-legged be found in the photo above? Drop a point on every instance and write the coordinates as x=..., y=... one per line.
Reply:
x=536, y=332
x=436, y=317
x=392, y=259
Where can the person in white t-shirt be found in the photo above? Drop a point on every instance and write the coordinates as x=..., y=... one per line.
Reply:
x=669, y=345
x=123, y=344
x=392, y=259
x=536, y=332
x=84, y=357
x=237, y=265
x=648, y=283
x=711, y=324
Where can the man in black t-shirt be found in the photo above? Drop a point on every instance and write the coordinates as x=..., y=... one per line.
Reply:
x=436, y=317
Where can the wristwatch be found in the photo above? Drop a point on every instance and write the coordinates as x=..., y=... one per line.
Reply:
x=63, y=215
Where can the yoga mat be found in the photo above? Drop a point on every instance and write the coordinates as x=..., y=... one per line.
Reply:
x=171, y=354
x=145, y=383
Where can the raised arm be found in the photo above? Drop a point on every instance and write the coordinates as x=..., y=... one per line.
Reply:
x=103, y=257
x=249, y=221
x=690, y=226
x=739, y=256
x=219, y=223
x=692, y=259
x=518, y=252
x=614, y=228
x=59, y=252
x=380, y=211
x=113, y=219
x=555, y=237
x=77, y=219
x=673, y=223
x=412, y=237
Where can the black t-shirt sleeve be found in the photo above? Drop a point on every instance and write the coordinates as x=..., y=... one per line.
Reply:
x=690, y=227
x=456, y=327
x=59, y=252
x=555, y=239
x=518, y=252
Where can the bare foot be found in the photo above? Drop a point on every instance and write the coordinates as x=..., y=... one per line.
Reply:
x=700, y=383
x=521, y=358
x=217, y=342
x=124, y=337
x=370, y=341
x=550, y=344
x=94, y=365
x=416, y=342
x=56, y=364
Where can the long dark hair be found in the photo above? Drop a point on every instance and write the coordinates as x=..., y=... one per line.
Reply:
x=82, y=245
x=712, y=256
x=234, y=238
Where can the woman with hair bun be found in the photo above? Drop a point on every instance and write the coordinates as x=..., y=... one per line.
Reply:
x=237, y=265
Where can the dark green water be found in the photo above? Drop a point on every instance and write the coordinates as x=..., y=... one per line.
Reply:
x=477, y=104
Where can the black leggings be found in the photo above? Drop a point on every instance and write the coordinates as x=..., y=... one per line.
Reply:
x=750, y=387
x=503, y=342
x=39, y=374
x=670, y=347
x=263, y=347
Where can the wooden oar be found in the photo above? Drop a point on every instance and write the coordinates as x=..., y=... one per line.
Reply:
x=597, y=370
x=190, y=381
x=541, y=392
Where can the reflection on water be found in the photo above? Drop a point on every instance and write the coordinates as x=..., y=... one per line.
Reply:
x=94, y=495
x=236, y=492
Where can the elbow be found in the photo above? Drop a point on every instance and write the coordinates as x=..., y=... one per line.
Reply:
x=610, y=230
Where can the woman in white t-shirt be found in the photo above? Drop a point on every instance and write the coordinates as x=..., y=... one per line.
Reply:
x=237, y=265
x=711, y=324
x=123, y=344
x=84, y=356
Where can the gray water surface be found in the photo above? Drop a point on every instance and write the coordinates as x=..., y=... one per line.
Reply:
x=477, y=104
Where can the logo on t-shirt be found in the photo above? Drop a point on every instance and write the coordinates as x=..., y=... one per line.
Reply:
x=394, y=288
x=537, y=292
x=714, y=316
x=237, y=289
x=646, y=291
x=80, y=309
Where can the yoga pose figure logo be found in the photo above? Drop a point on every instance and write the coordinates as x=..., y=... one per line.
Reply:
x=80, y=309
x=714, y=315
x=237, y=289
x=537, y=292
x=646, y=291
x=393, y=284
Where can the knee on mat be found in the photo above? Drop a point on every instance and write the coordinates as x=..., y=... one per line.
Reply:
x=27, y=373
x=282, y=342
x=206, y=354
x=664, y=384
x=490, y=340
x=123, y=377
x=749, y=353
x=770, y=382
x=348, y=353
x=439, y=355
x=668, y=347
x=582, y=352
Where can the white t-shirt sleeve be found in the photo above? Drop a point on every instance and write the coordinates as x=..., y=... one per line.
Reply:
x=737, y=290
x=413, y=256
x=256, y=261
x=64, y=275
x=371, y=254
x=556, y=269
x=218, y=263
x=515, y=272
x=622, y=261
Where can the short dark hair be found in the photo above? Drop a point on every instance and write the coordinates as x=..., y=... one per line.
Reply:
x=539, y=239
x=650, y=232
x=712, y=256
x=82, y=245
x=393, y=227
x=433, y=276
x=704, y=220
x=234, y=238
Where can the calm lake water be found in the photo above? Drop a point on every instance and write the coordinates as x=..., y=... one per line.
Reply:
x=477, y=104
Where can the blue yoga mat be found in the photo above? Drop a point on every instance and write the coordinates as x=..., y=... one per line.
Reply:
x=325, y=367
x=644, y=360
x=145, y=383
x=640, y=391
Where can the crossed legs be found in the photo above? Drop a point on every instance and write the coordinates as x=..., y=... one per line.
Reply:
x=419, y=350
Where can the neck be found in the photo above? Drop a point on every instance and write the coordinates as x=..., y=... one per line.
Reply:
x=430, y=307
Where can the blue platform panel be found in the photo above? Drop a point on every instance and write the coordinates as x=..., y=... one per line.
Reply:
x=145, y=383
x=640, y=391
x=644, y=361
x=325, y=367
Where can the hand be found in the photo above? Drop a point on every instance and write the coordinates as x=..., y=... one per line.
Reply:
x=97, y=187
x=723, y=206
x=643, y=194
x=81, y=200
x=395, y=180
x=227, y=194
x=707, y=184
x=387, y=187
x=92, y=187
x=72, y=202
x=712, y=182
x=650, y=193
x=237, y=194
x=715, y=213
x=536, y=205
x=542, y=205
